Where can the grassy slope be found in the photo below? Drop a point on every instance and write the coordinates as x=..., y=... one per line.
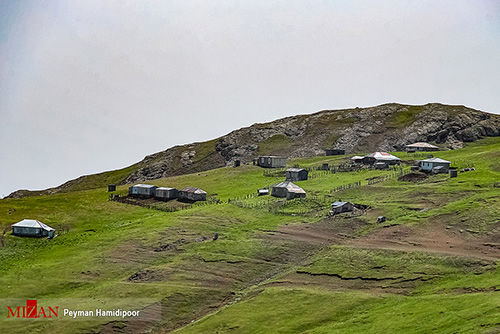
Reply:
x=102, y=243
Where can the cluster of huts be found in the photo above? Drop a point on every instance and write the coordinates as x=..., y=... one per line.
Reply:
x=379, y=160
x=286, y=189
x=432, y=165
x=189, y=194
x=382, y=160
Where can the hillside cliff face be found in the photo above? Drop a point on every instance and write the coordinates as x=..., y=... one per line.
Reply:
x=387, y=127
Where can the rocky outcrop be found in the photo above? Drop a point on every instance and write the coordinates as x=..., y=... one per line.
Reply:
x=387, y=127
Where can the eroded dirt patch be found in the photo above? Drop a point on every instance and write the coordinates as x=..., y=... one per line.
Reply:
x=435, y=238
x=331, y=230
x=337, y=282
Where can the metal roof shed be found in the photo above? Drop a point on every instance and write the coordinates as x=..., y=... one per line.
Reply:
x=192, y=194
x=430, y=164
x=32, y=228
x=142, y=190
x=271, y=161
x=296, y=174
x=166, y=193
x=287, y=189
x=339, y=207
x=422, y=146
x=381, y=157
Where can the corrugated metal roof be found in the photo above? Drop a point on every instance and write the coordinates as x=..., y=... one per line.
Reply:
x=295, y=169
x=164, y=188
x=194, y=190
x=33, y=223
x=356, y=157
x=422, y=144
x=339, y=203
x=272, y=156
x=382, y=156
x=144, y=185
x=290, y=186
x=438, y=160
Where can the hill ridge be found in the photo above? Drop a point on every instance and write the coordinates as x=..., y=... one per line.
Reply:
x=387, y=127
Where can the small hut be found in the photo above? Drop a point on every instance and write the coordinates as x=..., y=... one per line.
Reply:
x=271, y=161
x=435, y=165
x=374, y=157
x=296, y=174
x=142, y=190
x=288, y=190
x=192, y=194
x=421, y=147
x=380, y=165
x=166, y=193
x=339, y=207
x=263, y=192
x=32, y=228
x=357, y=159
x=334, y=152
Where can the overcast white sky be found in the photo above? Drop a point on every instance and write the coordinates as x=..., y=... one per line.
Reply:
x=93, y=85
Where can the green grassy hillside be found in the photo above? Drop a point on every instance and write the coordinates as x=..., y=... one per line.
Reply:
x=276, y=267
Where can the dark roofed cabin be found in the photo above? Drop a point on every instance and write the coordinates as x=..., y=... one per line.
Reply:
x=380, y=165
x=296, y=174
x=263, y=192
x=271, y=161
x=334, y=152
x=165, y=193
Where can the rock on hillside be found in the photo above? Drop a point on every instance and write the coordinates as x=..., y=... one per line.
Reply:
x=387, y=127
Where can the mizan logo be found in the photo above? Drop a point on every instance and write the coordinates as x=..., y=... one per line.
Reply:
x=32, y=311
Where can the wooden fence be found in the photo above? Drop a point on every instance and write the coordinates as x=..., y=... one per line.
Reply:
x=272, y=205
x=396, y=173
